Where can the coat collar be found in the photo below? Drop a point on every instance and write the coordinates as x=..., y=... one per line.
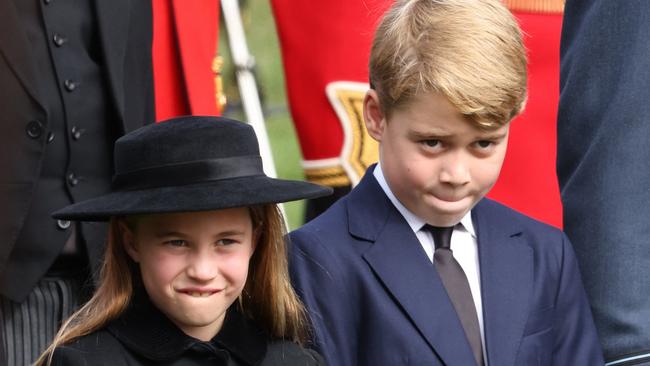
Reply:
x=402, y=266
x=146, y=331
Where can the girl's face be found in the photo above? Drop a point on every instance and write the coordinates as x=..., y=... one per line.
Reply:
x=194, y=265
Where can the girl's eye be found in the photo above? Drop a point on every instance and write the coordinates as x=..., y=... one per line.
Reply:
x=176, y=243
x=226, y=241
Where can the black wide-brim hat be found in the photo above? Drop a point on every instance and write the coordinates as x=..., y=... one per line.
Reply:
x=188, y=164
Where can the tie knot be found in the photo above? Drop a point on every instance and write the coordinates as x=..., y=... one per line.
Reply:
x=441, y=235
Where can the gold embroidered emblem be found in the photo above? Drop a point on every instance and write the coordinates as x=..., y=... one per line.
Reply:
x=359, y=149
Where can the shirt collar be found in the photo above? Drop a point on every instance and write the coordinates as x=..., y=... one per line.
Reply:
x=146, y=331
x=414, y=221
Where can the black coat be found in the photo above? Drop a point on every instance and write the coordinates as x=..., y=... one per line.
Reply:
x=125, y=40
x=144, y=336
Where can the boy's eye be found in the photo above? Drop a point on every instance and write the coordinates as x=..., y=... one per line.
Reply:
x=483, y=144
x=176, y=243
x=431, y=143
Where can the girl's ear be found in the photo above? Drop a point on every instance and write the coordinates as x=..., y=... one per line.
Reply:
x=128, y=239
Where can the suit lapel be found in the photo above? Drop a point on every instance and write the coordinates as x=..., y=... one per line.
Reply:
x=506, y=278
x=15, y=48
x=400, y=263
x=113, y=20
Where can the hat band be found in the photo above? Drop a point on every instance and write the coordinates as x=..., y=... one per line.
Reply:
x=188, y=173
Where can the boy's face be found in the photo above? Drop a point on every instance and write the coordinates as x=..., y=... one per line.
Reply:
x=436, y=162
x=194, y=265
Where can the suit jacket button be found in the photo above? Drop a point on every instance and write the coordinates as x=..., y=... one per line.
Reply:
x=72, y=179
x=50, y=137
x=70, y=85
x=63, y=224
x=77, y=132
x=58, y=40
x=34, y=129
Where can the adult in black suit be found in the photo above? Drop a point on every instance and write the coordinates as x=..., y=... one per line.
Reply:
x=73, y=76
x=603, y=153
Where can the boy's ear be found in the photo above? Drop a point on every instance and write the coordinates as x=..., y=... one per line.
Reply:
x=373, y=115
x=128, y=239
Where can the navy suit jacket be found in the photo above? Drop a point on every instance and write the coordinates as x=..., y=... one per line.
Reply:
x=374, y=297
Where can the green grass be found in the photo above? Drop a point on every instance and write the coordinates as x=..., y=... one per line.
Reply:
x=263, y=45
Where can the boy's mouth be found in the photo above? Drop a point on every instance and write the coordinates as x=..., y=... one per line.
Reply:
x=449, y=198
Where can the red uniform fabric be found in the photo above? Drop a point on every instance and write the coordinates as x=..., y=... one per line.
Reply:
x=528, y=181
x=323, y=41
x=184, y=46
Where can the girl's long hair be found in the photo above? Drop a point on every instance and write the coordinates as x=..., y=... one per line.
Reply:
x=110, y=299
x=268, y=297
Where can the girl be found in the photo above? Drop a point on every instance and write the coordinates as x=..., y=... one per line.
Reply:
x=195, y=270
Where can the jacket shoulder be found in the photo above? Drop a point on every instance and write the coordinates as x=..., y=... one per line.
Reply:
x=508, y=216
x=291, y=354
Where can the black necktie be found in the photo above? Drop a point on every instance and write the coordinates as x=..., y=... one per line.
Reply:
x=455, y=282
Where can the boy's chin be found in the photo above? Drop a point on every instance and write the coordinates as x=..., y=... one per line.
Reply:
x=446, y=221
x=444, y=218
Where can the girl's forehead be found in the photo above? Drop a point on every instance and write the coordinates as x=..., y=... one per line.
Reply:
x=200, y=219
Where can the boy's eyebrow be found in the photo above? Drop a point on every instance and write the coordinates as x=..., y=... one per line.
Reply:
x=428, y=134
x=494, y=135
x=443, y=134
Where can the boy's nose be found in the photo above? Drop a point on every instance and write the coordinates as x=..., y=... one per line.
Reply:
x=455, y=171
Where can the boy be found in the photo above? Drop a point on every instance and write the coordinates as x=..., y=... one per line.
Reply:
x=383, y=282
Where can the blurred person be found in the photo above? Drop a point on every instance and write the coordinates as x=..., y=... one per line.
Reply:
x=75, y=75
x=603, y=133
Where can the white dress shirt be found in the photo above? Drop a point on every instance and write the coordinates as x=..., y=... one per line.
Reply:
x=463, y=245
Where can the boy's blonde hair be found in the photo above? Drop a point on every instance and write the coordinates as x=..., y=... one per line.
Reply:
x=268, y=297
x=470, y=51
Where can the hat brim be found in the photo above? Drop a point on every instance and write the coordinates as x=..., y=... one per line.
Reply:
x=229, y=193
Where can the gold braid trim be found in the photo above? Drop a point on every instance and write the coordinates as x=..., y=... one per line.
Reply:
x=537, y=6
x=332, y=176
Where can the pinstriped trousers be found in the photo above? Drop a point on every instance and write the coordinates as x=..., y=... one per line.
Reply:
x=27, y=328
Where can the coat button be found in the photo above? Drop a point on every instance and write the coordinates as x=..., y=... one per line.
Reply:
x=72, y=179
x=47, y=2
x=34, y=129
x=63, y=224
x=50, y=137
x=70, y=85
x=58, y=40
x=77, y=132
